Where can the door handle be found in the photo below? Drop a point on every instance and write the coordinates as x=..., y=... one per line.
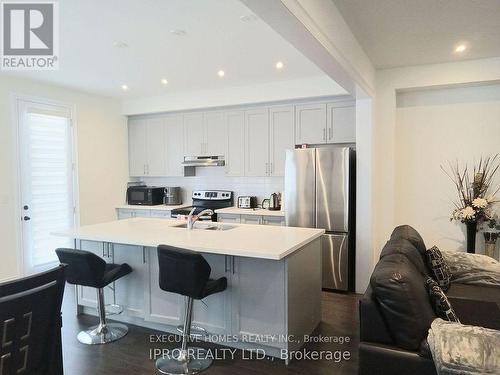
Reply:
x=232, y=266
x=324, y=134
x=144, y=255
x=330, y=133
x=26, y=218
x=225, y=263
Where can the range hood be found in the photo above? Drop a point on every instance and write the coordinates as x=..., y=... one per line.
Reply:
x=204, y=161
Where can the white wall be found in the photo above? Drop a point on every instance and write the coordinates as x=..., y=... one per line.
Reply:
x=260, y=93
x=102, y=159
x=433, y=127
x=385, y=148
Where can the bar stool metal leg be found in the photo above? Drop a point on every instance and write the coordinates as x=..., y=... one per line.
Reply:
x=185, y=360
x=104, y=332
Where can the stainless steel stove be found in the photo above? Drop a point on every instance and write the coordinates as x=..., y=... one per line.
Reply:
x=203, y=199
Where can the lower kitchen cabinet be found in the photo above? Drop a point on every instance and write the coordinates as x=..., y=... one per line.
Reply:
x=258, y=300
x=127, y=213
x=251, y=219
x=160, y=306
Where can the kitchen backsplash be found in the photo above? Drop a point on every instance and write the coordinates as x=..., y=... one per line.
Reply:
x=214, y=178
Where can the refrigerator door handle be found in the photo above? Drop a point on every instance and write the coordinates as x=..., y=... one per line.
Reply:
x=346, y=187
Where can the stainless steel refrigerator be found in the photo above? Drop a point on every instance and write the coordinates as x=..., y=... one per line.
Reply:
x=319, y=193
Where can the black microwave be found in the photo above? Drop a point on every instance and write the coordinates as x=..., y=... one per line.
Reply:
x=145, y=195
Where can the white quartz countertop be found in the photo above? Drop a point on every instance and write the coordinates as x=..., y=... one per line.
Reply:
x=250, y=211
x=247, y=240
x=158, y=207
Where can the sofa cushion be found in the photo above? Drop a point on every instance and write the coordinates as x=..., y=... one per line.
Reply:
x=438, y=268
x=409, y=233
x=442, y=306
x=404, y=303
x=408, y=249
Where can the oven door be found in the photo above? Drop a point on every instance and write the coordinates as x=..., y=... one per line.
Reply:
x=138, y=196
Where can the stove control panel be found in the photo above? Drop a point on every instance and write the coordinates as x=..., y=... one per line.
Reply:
x=218, y=195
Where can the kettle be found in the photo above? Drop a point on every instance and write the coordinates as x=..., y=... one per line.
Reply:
x=273, y=203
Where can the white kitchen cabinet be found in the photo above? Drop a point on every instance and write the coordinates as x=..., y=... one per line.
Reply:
x=341, y=119
x=235, y=136
x=258, y=290
x=125, y=213
x=129, y=290
x=214, y=312
x=137, y=147
x=228, y=218
x=310, y=124
x=146, y=147
x=250, y=219
x=257, y=142
x=160, y=306
x=194, y=134
x=174, y=145
x=274, y=220
x=281, y=136
x=215, y=133
x=155, y=147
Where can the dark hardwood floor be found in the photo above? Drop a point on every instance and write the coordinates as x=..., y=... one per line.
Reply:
x=131, y=355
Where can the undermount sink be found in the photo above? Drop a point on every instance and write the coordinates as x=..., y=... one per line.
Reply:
x=201, y=226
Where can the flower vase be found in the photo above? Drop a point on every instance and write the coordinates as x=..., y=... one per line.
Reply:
x=471, y=236
x=490, y=243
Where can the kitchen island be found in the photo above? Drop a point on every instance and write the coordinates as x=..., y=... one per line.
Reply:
x=273, y=298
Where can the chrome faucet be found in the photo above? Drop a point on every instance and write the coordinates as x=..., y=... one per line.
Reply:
x=194, y=218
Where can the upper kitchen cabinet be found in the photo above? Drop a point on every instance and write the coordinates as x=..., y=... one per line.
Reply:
x=174, y=150
x=194, y=134
x=235, y=138
x=341, y=120
x=204, y=134
x=215, y=133
x=257, y=142
x=325, y=123
x=146, y=147
x=310, y=126
x=281, y=137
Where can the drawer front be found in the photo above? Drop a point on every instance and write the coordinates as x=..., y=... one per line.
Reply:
x=161, y=214
x=273, y=220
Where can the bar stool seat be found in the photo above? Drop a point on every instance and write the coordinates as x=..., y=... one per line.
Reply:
x=87, y=269
x=187, y=273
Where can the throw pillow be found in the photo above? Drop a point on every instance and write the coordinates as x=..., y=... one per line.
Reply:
x=438, y=267
x=440, y=303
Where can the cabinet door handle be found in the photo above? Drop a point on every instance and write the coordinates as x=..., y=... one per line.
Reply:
x=324, y=134
x=272, y=169
x=144, y=255
x=225, y=263
x=330, y=133
x=103, y=249
x=232, y=266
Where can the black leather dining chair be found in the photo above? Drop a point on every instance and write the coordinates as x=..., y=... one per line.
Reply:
x=30, y=317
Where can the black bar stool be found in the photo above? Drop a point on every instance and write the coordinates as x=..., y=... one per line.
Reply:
x=187, y=273
x=87, y=269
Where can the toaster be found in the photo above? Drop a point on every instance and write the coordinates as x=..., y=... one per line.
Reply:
x=247, y=202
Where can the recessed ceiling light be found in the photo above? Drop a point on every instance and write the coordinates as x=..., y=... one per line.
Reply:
x=248, y=18
x=164, y=81
x=221, y=73
x=120, y=44
x=178, y=32
x=460, y=48
x=279, y=65
x=124, y=87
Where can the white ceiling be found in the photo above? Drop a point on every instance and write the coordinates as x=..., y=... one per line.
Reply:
x=412, y=32
x=215, y=39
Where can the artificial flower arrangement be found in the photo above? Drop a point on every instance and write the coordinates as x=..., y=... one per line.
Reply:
x=475, y=195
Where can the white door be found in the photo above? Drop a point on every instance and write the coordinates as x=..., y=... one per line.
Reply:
x=310, y=125
x=281, y=138
x=137, y=155
x=155, y=147
x=257, y=142
x=215, y=134
x=174, y=146
x=194, y=134
x=235, y=155
x=46, y=181
x=341, y=123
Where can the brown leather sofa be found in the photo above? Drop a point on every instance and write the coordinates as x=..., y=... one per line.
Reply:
x=395, y=312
